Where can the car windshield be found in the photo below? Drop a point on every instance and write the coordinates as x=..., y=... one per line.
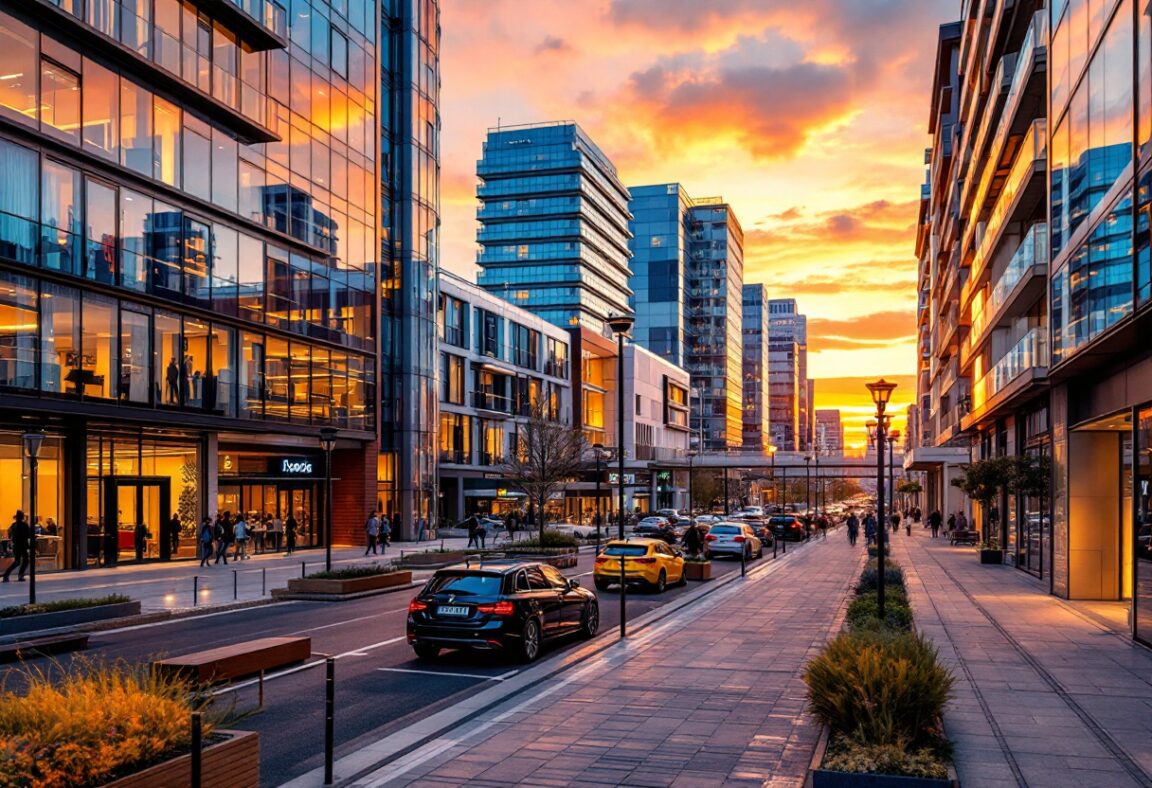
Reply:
x=627, y=550
x=465, y=585
x=724, y=529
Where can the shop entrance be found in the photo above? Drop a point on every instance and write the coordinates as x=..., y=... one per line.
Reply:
x=136, y=514
x=267, y=499
x=1100, y=509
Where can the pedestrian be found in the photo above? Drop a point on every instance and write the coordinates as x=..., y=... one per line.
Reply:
x=693, y=542
x=242, y=536
x=961, y=521
x=174, y=534
x=473, y=537
x=511, y=522
x=223, y=528
x=277, y=531
x=290, y=526
x=894, y=519
x=386, y=533
x=207, y=536
x=481, y=533
x=372, y=530
x=951, y=524
x=853, y=529
x=934, y=522
x=869, y=529
x=140, y=537
x=20, y=534
x=422, y=531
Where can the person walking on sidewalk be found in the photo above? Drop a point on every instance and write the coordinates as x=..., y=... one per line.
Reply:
x=853, y=529
x=242, y=537
x=950, y=526
x=372, y=530
x=869, y=528
x=385, y=534
x=223, y=529
x=207, y=535
x=290, y=534
x=934, y=522
x=481, y=533
x=471, y=524
x=20, y=534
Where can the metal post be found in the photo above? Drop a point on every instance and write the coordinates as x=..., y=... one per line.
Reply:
x=690, y=499
x=34, y=469
x=623, y=602
x=197, y=750
x=599, y=473
x=881, y=527
x=807, y=486
x=329, y=719
x=195, y=590
x=263, y=581
x=235, y=585
x=328, y=509
x=726, y=499
x=301, y=570
x=775, y=500
x=775, y=541
x=743, y=562
x=620, y=326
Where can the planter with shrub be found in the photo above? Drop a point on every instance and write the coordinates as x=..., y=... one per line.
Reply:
x=350, y=582
x=65, y=613
x=880, y=690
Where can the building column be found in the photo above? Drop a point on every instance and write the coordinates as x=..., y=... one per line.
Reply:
x=353, y=491
x=210, y=464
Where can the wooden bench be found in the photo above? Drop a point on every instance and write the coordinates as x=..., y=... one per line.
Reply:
x=42, y=646
x=964, y=537
x=239, y=660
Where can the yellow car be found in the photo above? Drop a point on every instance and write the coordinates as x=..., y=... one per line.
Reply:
x=648, y=562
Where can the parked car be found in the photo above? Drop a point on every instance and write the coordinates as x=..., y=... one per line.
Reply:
x=672, y=515
x=752, y=511
x=785, y=526
x=656, y=528
x=514, y=607
x=647, y=562
x=576, y=529
x=733, y=538
x=707, y=519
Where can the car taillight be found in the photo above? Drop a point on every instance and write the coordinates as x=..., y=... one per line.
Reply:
x=415, y=606
x=601, y=559
x=738, y=539
x=710, y=538
x=502, y=608
x=645, y=560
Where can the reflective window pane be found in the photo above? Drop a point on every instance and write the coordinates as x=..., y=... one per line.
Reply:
x=197, y=155
x=59, y=339
x=163, y=247
x=197, y=256
x=250, y=376
x=18, y=323
x=100, y=254
x=18, y=202
x=61, y=239
x=194, y=366
x=277, y=394
x=167, y=359
x=222, y=383
x=135, y=128
x=224, y=174
x=250, y=285
x=19, y=64
x=99, y=359
x=135, y=356
x=101, y=110
x=60, y=101
x=167, y=162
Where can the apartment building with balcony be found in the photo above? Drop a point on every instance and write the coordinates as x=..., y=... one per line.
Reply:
x=497, y=363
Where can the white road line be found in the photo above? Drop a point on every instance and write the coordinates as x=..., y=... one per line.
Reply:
x=359, y=652
x=350, y=621
x=179, y=619
x=447, y=673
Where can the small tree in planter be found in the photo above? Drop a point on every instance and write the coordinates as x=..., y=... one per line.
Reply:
x=547, y=454
x=982, y=482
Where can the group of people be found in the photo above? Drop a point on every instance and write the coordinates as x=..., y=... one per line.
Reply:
x=225, y=532
x=379, y=531
x=871, y=524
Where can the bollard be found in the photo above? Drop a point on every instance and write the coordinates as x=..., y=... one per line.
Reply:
x=623, y=603
x=235, y=585
x=785, y=540
x=263, y=581
x=441, y=545
x=301, y=570
x=329, y=720
x=197, y=750
x=743, y=563
x=195, y=590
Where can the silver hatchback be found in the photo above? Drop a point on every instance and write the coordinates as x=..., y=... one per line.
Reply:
x=729, y=538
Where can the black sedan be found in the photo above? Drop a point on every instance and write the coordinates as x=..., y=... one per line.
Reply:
x=652, y=530
x=512, y=607
x=785, y=526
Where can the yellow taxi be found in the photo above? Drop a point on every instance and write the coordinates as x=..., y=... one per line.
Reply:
x=651, y=563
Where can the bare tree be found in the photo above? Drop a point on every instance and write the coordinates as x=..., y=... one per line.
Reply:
x=547, y=454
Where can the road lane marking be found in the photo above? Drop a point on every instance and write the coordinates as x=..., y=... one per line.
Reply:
x=359, y=652
x=350, y=621
x=185, y=619
x=447, y=673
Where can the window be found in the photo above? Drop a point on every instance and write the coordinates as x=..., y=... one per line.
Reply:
x=197, y=155
x=101, y=110
x=60, y=101
x=194, y=364
x=299, y=381
x=220, y=386
x=60, y=222
x=136, y=128
x=196, y=33
x=99, y=359
x=18, y=65
x=339, y=53
x=225, y=65
x=250, y=376
x=100, y=217
x=135, y=356
x=225, y=270
x=455, y=438
x=18, y=324
x=277, y=394
x=250, y=279
x=168, y=360
x=557, y=363
x=491, y=442
x=320, y=404
x=59, y=339
x=163, y=247
x=224, y=170
x=489, y=338
x=452, y=328
x=453, y=379
x=168, y=159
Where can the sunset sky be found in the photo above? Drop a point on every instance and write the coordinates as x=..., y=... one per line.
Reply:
x=809, y=118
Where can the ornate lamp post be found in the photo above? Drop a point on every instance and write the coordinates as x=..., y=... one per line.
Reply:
x=621, y=325
x=32, y=443
x=881, y=392
x=327, y=443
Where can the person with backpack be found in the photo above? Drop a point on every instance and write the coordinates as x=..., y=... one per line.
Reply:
x=207, y=536
x=241, y=534
x=223, y=529
x=385, y=534
x=372, y=529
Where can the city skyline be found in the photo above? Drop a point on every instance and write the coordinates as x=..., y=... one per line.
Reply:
x=838, y=238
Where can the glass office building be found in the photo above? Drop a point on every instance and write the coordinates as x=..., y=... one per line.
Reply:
x=661, y=231
x=788, y=375
x=188, y=247
x=410, y=217
x=757, y=406
x=553, y=225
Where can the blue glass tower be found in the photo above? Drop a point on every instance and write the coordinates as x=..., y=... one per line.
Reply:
x=660, y=228
x=553, y=224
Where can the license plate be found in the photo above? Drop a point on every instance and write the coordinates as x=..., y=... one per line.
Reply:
x=452, y=610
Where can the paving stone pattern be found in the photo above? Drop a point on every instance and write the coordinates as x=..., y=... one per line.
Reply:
x=712, y=697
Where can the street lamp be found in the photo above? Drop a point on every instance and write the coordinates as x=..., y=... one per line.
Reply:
x=598, y=449
x=621, y=325
x=772, y=454
x=893, y=436
x=32, y=443
x=881, y=392
x=327, y=443
x=691, y=454
x=807, y=485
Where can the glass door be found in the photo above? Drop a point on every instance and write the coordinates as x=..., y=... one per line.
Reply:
x=135, y=509
x=298, y=501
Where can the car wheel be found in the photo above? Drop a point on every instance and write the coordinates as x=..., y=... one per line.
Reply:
x=661, y=582
x=601, y=585
x=530, y=641
x=426, y=651
x=591, y=623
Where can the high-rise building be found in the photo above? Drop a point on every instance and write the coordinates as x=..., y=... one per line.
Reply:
x=187, y=299
x=757, y=432
x=1035, y=287
x=409, y=127
x=829, y=432
x=553, y=225
x=788, y=375
x=689, y=275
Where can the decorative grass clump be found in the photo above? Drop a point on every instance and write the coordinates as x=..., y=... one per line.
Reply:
x=880, y=687
x=893, y=577
x=60, y=605
x=864, y=611
x=95, y=722
x=351, y=572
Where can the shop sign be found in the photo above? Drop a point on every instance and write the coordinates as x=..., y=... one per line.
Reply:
x=629, y=478
x=292, y=466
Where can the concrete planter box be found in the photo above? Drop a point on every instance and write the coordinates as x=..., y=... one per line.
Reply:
x=991, y=556
x=233, y=762
x=698, y=570
x=67, y=618
x=354, y=585
x=827, y=778
x=429, y=560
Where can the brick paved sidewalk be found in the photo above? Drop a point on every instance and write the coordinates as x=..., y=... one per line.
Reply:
x=1049, y=693
x=710, y=696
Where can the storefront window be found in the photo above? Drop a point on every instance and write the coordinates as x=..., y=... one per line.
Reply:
x=135, y=356
x=168, y=359
x=18, y=318
x=99, y=358
x=1142, y=569
x=59, y=339
x=15, y=493
x=60, y=222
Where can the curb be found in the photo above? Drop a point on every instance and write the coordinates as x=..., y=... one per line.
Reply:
x=422, y=730
x=283, y=595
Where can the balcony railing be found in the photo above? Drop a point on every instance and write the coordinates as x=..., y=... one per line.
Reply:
x=1033, y=251
x=1031, y=352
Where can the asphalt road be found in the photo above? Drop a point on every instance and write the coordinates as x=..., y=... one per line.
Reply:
x=380, y=686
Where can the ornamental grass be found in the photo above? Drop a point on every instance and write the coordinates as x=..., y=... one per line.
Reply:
x=96, y=722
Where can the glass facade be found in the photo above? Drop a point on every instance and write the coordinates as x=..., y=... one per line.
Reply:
x=788, y=375
x=554, y=233
x=757, y=431
x=660, y=252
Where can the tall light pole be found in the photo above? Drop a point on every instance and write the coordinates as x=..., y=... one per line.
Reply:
x=621, y=325
x=881, y=392
x=691, y=454
x=32, y=442
x=807, y=485
x=598, y=449
x=327, y=443
x=772, y=454
x=893, y=436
